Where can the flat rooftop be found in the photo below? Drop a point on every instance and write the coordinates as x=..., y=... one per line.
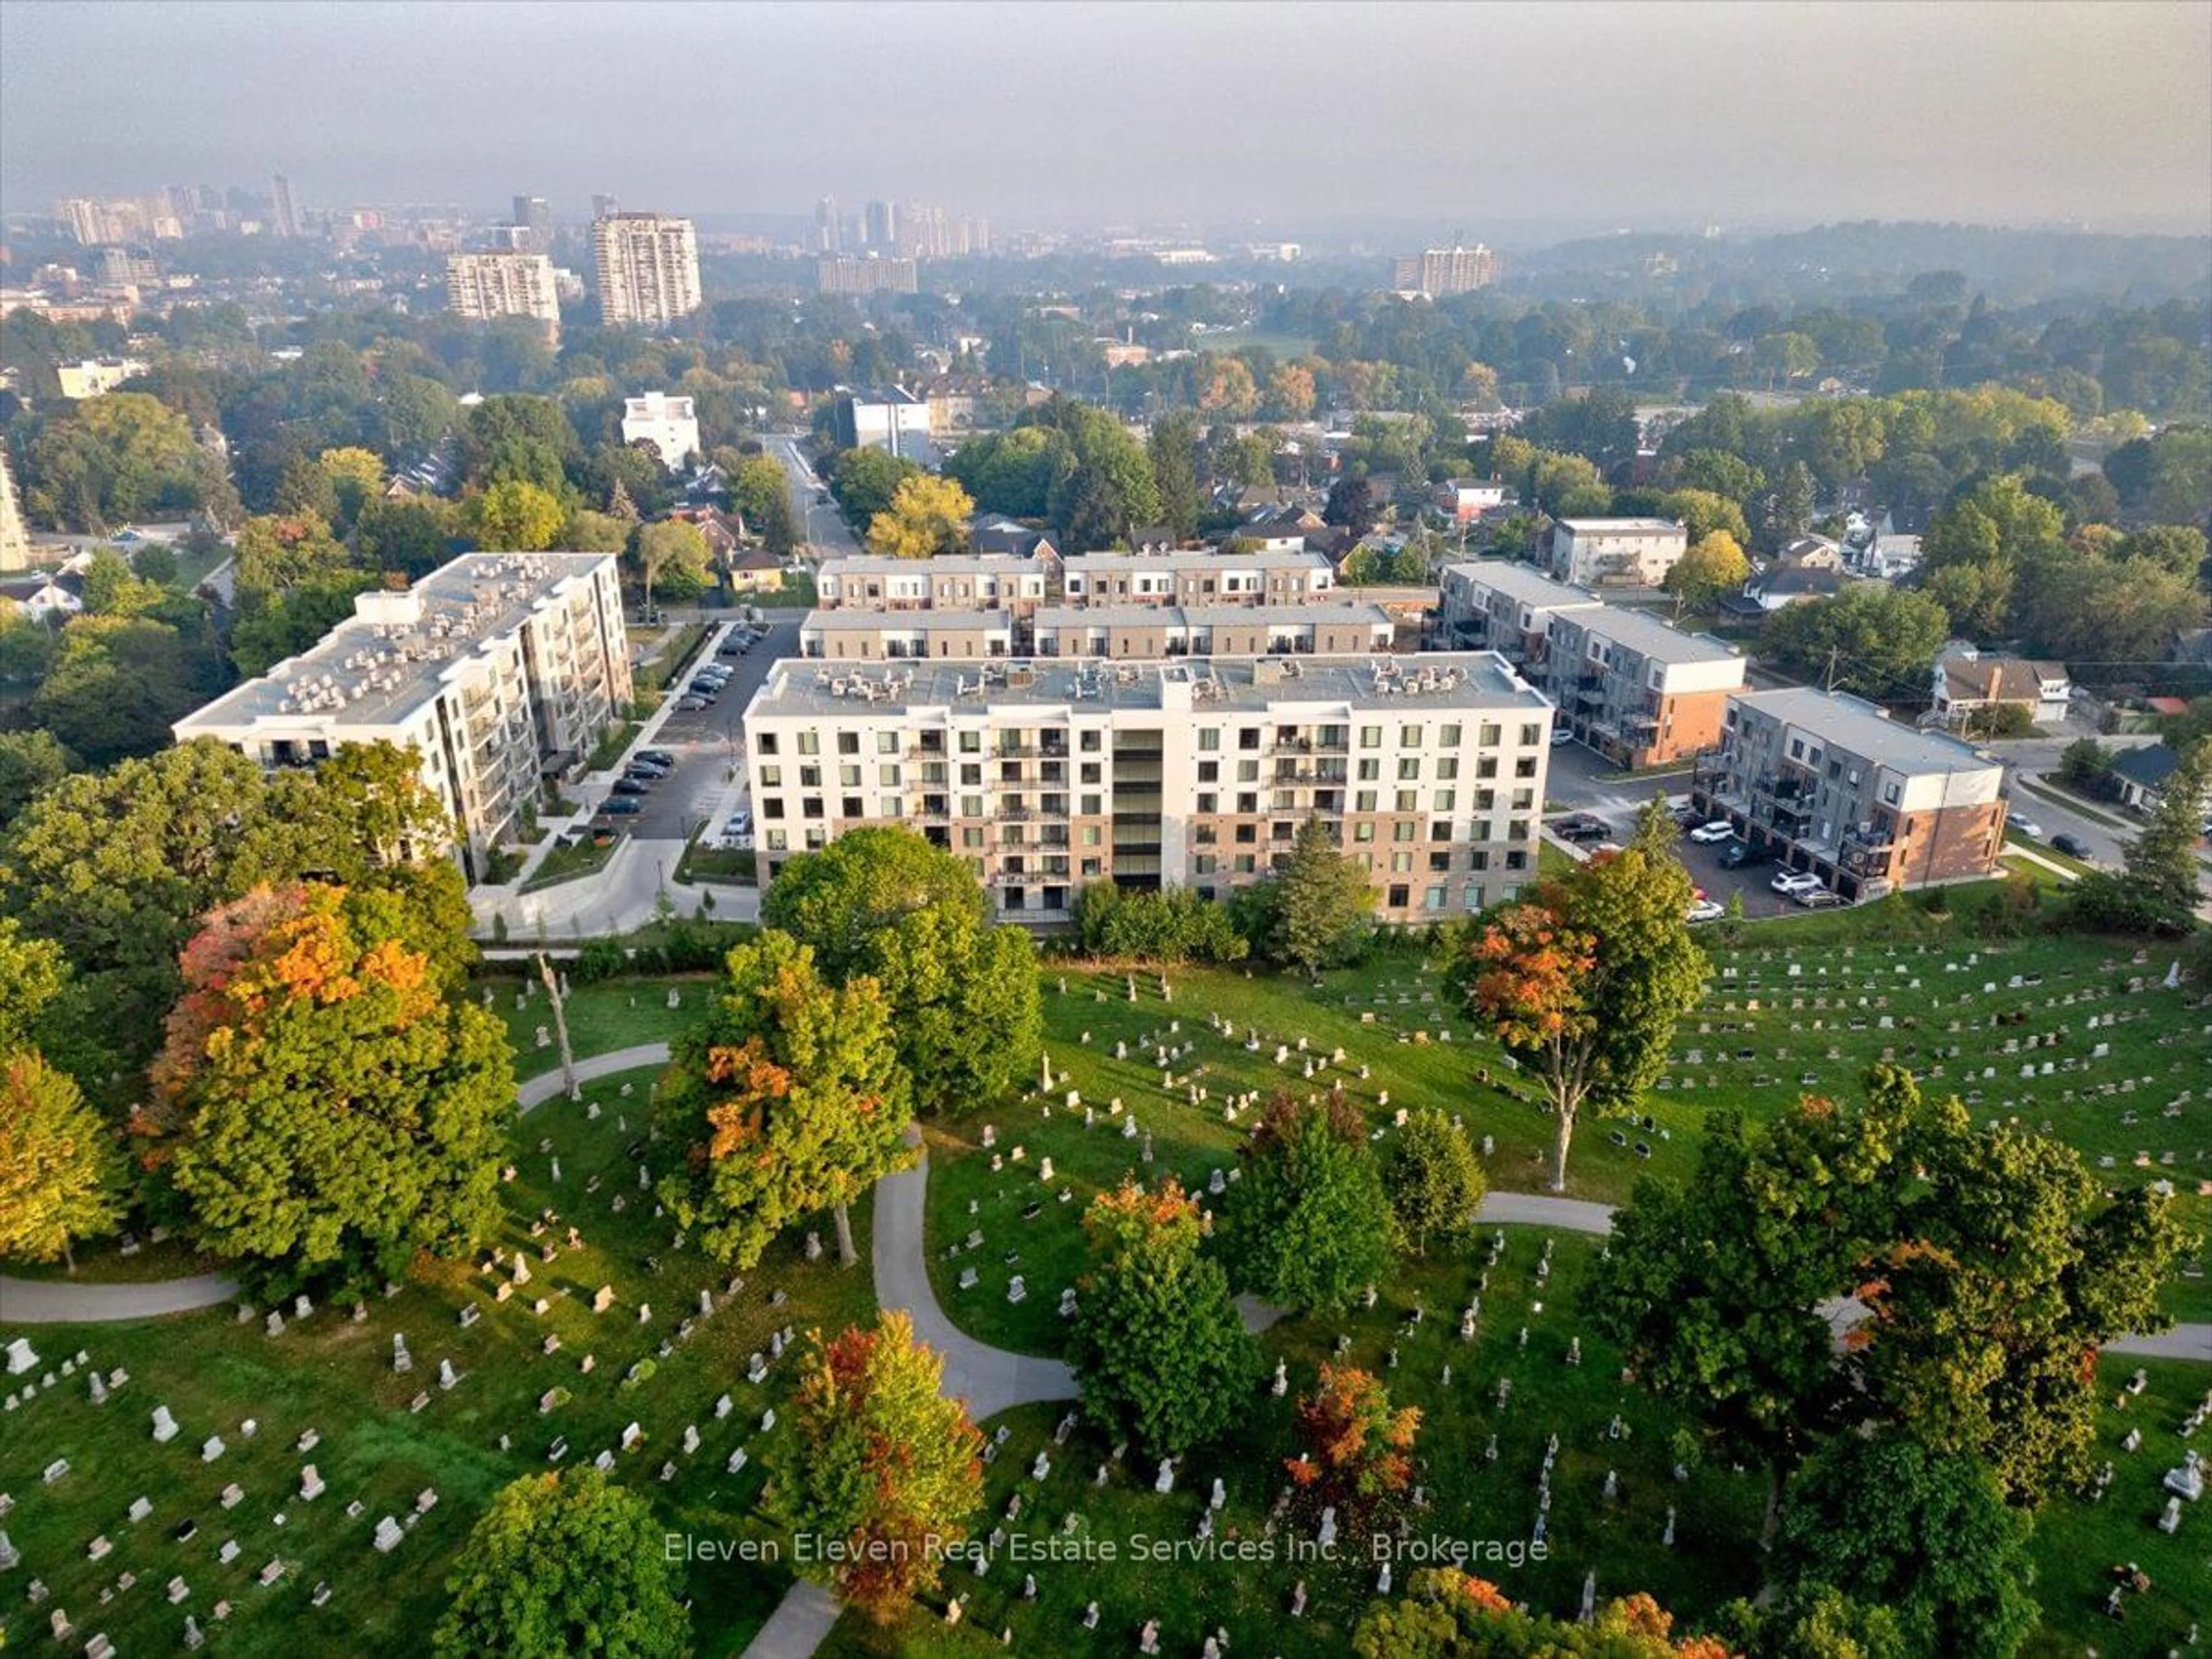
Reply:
x=906, y=622
x=1204, y=616
x=1656, y=638
x=949, y=564
x=384, y=662
x=1439, y=679
x=1851, y=724
x=1101, y=563
x=1622, y=527
x=1523, y=583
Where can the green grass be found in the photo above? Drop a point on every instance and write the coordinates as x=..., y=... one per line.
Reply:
x=796, y=593
x=613, y=744
x=566, y=863
x=193, y=568
x=103, y=1262
x=1470, y=1497
x=678, y=648
x=334, y=1376
x=602, y=1017
x=1552, y=860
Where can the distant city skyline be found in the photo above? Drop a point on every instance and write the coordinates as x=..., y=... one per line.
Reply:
x=2091, y=113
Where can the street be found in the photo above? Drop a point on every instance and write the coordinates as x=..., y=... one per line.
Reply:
x=826, y=536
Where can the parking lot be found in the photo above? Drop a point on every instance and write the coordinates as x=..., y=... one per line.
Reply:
x=708, y=744
x=1704, y=863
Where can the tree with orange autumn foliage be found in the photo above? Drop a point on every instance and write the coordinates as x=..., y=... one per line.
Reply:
x=1449, y=1615
x=880, y=1463
x=1582, y=983
x=1358, y=1457
x=789, y=1099
x=323, y=1110
x=1160, y=1352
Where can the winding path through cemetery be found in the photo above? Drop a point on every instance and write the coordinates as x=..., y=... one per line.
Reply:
x=991, y=1380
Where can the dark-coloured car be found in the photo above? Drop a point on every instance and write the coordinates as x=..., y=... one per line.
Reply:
x=658, y=756
x=620, y=806
x=1817, y=898
x=629, y=786
x=1741, y=856
x=2069, y=845
x=1581, y=826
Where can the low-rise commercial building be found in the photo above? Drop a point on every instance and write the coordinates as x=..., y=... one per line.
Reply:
x=1835, y=786
x=498, y=670
x=1047, y=776
x=1616, y=552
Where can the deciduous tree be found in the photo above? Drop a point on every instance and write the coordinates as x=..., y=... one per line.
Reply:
x=1358, y=1447
x=515, y=516
x=880, y=1461
x=1434, y=1180
x=1712, y=569
x=789, y=1099
x=671, y=554
x=1156, y=1345
x=1887, y=1522
x=1585, y=981
x=564, y=1564
x=58, y=1168
x=927, y=516
x=327, y=1113
x=1308, y=1225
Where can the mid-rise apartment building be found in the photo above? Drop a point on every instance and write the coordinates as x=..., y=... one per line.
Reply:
x=95, y=377
x=483, y=286
x=1439, y=270
x=845, y=273
x=1638, y=691
x=891, y=419
x=1616, y=552
x=647, y=266
x=1837, y=787
x=974, y=581
x=498, y=670
x=1200, y=578
x=1047, y=776
x=670, y=424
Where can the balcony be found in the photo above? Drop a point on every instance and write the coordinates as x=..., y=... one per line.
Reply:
x=1865, y=853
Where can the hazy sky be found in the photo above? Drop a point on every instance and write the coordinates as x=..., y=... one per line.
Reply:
x=1646, y=114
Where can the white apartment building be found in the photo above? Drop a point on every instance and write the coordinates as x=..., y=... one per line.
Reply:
x=1045, y=776
x=94, y=377
x=971, y=581
x=1616, y=552
x=483, y=286
x=669, y=424
x=648, y=268
x=1263, y=578
x=498, y=670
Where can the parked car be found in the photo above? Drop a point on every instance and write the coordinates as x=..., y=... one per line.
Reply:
x=1581, y=826
x=1561, y=736
x=1794, y=881
x=629, y=786
x=2021, y=826
x=1706, y=910
x=640, y=767
x=1687, y=817
x=620, y=806
x=740, y=823
x=658, y=756
x=1742, y=854
x=1817, y=898
x=2069, y=845
x=692, y=704
x=1718, y=829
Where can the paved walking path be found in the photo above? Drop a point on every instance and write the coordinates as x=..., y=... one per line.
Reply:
x=64, y=1302
x=990, y=1379
x=801, y=1624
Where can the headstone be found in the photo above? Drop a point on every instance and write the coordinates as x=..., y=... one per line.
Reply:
x=311, y=1484
x=1165, y=1482
x=21, y=1357
x=387, y=1535
x=165, y=1427
x=211, y=1448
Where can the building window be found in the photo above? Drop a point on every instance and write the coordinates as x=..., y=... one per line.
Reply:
x=1209, y=771
x=1363, y=801
x=810, y=807
x=1446, y=800
x=1433, y=898
x=1447, y=736
x=809, y=743
x=849, y=776
x=1209, y=738
x=1407, y=800
x=1091, y=837
x=888, y=777
x=1440, y=862
x=1400, y=896
x=1248, y=771
x=772, y=807
x=971, y=743
x=971, y=838
x=1363, y=832
x=1209, y=802
x=779, y=841
x=765, y=744
x=1088, y=741
x=887, y=743
x=1409, y=736
x=1531, y=736
x=848, y=743
x=1246, y=835
x=771, y=777
x=1525, y=766
x=1370, y=736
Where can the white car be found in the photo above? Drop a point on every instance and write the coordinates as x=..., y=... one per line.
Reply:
x=2028, y=827
x=1718, y=829
x=1706, y=910
x=1560, y=735
x=1794, y=881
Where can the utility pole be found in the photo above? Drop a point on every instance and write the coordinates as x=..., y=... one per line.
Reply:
x=1829, y=684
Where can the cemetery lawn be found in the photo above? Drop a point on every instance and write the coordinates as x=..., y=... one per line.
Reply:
x=335, y=1376
x=611, y=1014
x=1474, y=1500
